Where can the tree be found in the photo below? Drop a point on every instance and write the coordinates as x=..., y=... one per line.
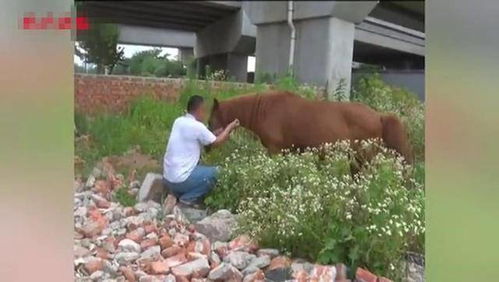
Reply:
x=98, y=45
x=151, y=63
x=144, y=62
x=122, y=67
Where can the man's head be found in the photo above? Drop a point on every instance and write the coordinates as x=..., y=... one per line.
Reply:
x=196, y=107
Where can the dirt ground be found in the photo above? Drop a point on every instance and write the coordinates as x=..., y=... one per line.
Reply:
x=132, y=161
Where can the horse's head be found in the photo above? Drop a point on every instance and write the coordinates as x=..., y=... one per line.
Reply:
x=216, y=120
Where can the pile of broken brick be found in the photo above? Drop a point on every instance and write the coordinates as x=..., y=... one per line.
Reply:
x=156, y=242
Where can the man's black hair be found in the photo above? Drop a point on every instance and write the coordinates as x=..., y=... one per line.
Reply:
x=194, y=102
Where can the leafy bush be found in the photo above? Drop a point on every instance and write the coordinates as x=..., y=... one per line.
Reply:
x=288, y=82
x=150, y=63
x=310, y=206
x=373, y=91
x=216, y=75
x=170, y=68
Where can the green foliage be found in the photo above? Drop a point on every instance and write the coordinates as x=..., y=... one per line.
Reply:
x=288, y=82
x=146, y=124
x=241, y=146
x=339, y=93
x=98, y=46
x=373, y=91
x=124, y=198
x=309, y=205
x=144, y=62
x=122, y=67
x=81, y=124
x=150, y=63
x=216, y=75
x=170, y=68
x=265, y=77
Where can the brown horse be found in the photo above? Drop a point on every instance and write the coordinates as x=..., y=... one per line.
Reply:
x=283, y=120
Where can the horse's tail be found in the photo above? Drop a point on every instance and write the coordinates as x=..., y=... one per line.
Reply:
x=395, y=136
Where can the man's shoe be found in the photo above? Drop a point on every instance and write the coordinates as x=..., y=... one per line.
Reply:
x=195, y=204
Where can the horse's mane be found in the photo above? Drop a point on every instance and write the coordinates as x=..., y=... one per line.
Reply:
x=269, y=93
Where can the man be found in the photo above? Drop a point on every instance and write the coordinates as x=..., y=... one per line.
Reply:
x=182, y=174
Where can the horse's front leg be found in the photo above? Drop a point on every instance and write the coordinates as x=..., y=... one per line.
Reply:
x=273, y=148
x=273, y=142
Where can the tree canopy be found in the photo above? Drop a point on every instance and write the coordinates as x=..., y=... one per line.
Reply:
x=151, y=63
x=99, y=46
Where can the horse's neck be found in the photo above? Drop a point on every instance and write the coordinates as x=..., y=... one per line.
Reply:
x=246, y=111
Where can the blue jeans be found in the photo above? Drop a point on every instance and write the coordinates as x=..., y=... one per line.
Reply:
x=201, y=181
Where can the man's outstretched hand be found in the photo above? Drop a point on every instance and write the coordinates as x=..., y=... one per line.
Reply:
x=231, y=126
x=224, y=135
x=234, y=124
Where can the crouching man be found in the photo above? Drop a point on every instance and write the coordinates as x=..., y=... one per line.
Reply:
x=182, y=174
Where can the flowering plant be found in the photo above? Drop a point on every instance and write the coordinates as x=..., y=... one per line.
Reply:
x=373, y=91
x=310, y=205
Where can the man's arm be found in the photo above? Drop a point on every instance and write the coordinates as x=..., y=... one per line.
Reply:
x=224, y=135
x=218, y=131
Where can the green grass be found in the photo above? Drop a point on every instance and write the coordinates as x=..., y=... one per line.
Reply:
x=124, y=198
x=309, y=206
x=148, y=121
x=146, y=124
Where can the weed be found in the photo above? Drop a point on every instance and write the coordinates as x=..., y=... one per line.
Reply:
x=124, y=198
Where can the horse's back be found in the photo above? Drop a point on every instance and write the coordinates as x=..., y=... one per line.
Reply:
x=303, y=123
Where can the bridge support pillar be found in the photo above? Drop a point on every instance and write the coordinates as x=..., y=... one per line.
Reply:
x=185, y=55
x=234, y=65
x=323, y=51
x=324, y=39
x=226, y=45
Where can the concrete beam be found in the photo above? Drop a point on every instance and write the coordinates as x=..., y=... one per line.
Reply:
x=405, y=13
x=261, y=12
x=156, y=36
x=226, y=45
x=387, y=35
x=233, y=33
x=235, y=4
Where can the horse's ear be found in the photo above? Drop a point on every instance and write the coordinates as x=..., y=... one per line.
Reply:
x=215, y=104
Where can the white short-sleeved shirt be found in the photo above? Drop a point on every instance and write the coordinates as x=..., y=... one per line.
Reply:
x=183, y=151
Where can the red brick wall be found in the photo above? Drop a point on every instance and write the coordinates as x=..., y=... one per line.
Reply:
x=113, y=93
x=97, y=93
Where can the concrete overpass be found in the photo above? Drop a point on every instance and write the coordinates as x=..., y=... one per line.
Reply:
x=217, y=33
x=329, y=35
